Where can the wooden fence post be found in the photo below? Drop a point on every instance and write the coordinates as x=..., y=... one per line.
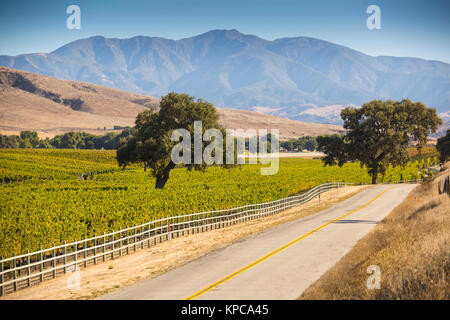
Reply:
x=14, y=271
x=172, y=227
x=64, y=257
x=1, y=276
x=182, y=223
x=198, y=222
x=142, y=237
x=41, y=267
x=95, y=249
x=103, y=246
x=128, y=239
x=120, y=242
x=75, y=255
x=28, y=269
x=54, y=261
x=188, y=218
x=167, y=228
x=160, y=230
x=112, y=244
x=134, y=237
x=148, y=234
x=224, y=218
x=216, y=225
x=154, y=227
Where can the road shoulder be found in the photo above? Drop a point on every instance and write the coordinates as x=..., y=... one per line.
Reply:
x=409, y=250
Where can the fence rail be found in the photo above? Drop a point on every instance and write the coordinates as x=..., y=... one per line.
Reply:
x=18, y=272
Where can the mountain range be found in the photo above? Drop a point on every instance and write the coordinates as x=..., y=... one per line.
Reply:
x=289, y=77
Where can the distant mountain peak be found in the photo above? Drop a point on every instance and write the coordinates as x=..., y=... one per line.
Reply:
x=224, y=32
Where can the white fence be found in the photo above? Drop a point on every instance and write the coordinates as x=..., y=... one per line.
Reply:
x=18, y=272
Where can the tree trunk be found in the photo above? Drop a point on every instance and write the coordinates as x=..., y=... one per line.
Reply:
x=375, y=178
x=162, y=178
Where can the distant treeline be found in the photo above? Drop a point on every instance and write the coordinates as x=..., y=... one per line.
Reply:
x=303, y=143
x=109, y=141
x=69, y=140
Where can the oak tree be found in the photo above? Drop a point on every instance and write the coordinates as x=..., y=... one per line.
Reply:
x=378, y=134
x=443, y=146
x=151, y=142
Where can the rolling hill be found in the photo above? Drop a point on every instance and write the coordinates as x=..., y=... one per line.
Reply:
x=52, y=106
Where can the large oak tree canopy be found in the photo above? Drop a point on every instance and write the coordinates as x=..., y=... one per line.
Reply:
x=443, y=146
x=150, y=142
x=378, y=134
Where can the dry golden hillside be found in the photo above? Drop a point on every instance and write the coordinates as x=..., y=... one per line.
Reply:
x=235, y=119
x=30, y=101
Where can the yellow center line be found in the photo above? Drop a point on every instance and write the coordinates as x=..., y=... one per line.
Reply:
x=267, y=256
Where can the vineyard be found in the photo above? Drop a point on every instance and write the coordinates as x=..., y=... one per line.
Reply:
x=50, y=196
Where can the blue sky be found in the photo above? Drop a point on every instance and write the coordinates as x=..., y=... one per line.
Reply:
x=408, y=28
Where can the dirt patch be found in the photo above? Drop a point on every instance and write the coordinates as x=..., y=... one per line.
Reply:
x=151, y=262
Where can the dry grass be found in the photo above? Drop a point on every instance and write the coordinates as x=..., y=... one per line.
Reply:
x=237, y=119
x=24, y=110
x=411, y=246
x=150, y=262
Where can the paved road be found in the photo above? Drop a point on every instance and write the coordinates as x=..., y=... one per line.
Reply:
x=279, y=263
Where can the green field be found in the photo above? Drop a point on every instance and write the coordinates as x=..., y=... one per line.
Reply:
x=44, y=200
